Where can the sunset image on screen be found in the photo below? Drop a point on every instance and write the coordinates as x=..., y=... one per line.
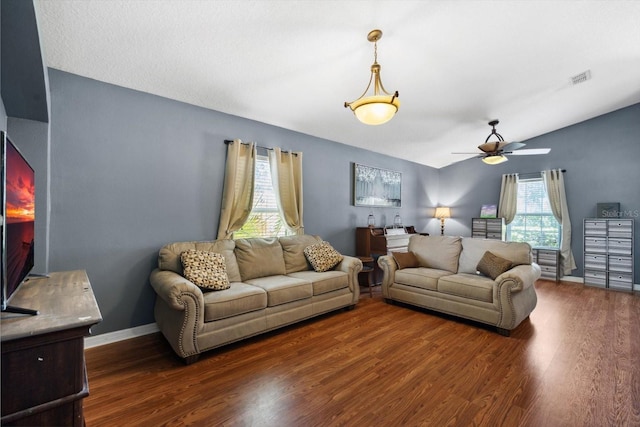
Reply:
x=20, y=191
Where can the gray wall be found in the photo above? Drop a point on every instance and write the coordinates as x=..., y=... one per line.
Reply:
x=600, y=155
x=131, y=172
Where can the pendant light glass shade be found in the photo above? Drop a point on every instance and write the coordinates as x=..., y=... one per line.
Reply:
x=495, y=160
x=380, y=106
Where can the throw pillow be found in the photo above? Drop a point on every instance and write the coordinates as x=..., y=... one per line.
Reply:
x=205, y=269
x=405, y=260
x=492, y=265
x=322, y=256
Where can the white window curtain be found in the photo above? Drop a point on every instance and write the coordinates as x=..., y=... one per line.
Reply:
x=237, y=193
x=286, y=175
x=554, y=184
x=508, y=197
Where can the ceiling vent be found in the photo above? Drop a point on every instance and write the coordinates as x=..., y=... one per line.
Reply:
x=581, y=78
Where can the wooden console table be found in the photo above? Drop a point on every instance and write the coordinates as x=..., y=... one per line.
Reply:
x=44, y=377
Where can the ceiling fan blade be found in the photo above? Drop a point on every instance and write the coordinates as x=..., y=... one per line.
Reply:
x=530, y=151
x=513, y=146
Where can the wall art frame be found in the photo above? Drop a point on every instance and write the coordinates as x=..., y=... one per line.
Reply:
x=376, y=187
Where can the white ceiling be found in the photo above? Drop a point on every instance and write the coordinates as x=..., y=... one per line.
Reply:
x=293, y=64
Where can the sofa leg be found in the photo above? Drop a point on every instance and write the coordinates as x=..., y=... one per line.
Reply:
x=389, y=301
x=191, y=359
x=504, y=332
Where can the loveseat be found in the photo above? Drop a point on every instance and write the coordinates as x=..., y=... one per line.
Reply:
x=441, y=273
x=271, y=283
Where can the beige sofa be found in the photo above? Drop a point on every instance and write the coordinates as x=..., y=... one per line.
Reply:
x=271, y=285
x=446, y=280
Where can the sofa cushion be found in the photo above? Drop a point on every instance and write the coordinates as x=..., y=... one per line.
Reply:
x=473, y=250
x=405, y=259
x=293, y=250
x=421, y=277
x=322, y=256
x=205, y=269
x=492, y=265
x=471, y=286
x=283, y=289
x=169, y=256
x=240, y=298
x=259, y=257
x=322, y=283
x=440, y=252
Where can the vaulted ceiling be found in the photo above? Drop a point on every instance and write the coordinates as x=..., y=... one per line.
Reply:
x=456, y=64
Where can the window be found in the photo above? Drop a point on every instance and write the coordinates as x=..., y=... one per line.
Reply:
x=534, y=222
x=265, y=219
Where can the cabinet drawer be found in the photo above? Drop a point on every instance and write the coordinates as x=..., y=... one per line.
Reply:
x=620, y=264
x=595, y=262
x=497, y=236
x=41, y=374
x=547, y=257
x=548, y=272
x=620, y=281
x=595, y=278
x=619, y=246
x=595, y=244
x=622, y=228
x=595, y=228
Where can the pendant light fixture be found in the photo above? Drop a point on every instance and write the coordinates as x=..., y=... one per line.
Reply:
x=496, y=157
x=381, y=106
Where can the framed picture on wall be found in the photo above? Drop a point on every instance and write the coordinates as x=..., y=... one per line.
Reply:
x=488, y=211
x=376, y=187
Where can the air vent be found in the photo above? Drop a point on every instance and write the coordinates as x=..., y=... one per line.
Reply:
x=581, y=78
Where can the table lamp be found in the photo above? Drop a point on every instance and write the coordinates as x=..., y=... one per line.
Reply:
x=442, y=212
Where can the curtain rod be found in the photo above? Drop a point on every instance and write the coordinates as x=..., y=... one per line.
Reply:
x=534, y=174
x=229, y=141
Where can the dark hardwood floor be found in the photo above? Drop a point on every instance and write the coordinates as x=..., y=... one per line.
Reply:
x=574, y=362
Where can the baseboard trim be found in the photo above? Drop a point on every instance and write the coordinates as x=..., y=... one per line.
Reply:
x=124, y=334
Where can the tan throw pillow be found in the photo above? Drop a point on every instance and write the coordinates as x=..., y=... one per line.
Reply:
x=492, y=265
x=322, y=256
x=205, y=269
x=405, y=259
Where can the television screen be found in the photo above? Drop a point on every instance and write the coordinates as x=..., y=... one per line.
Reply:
x=18, y=219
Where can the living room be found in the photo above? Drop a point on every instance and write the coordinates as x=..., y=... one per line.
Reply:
x=120, y=173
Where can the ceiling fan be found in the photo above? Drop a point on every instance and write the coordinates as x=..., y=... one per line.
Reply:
x=494, y=152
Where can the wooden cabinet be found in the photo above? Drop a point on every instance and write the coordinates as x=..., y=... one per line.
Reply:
x=608, y=253
x=44, y=377
x=549, y=261
x=488, y=228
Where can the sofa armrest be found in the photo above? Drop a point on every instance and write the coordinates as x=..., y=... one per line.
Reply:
x=520, y=277
x=515, y=294
x=389, y=267
x=171, y=287
x=352, y=266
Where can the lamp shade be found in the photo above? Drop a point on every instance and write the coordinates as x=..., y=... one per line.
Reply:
x=442, y=212
x=494, y=160
x=375, y=110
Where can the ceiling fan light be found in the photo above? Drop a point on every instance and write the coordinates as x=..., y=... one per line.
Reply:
x=495, y=160
x=375, y=110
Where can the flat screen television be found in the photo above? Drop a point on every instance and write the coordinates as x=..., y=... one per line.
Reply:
x=18, y=222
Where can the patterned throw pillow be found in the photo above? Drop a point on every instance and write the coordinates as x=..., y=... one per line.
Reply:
x=322, y=256
x=205, y=269
x=492, y=265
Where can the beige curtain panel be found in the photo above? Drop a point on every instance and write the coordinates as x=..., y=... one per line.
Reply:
x=286, y=176
x=508, y=197
x=237, y=194
x=554, y=183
